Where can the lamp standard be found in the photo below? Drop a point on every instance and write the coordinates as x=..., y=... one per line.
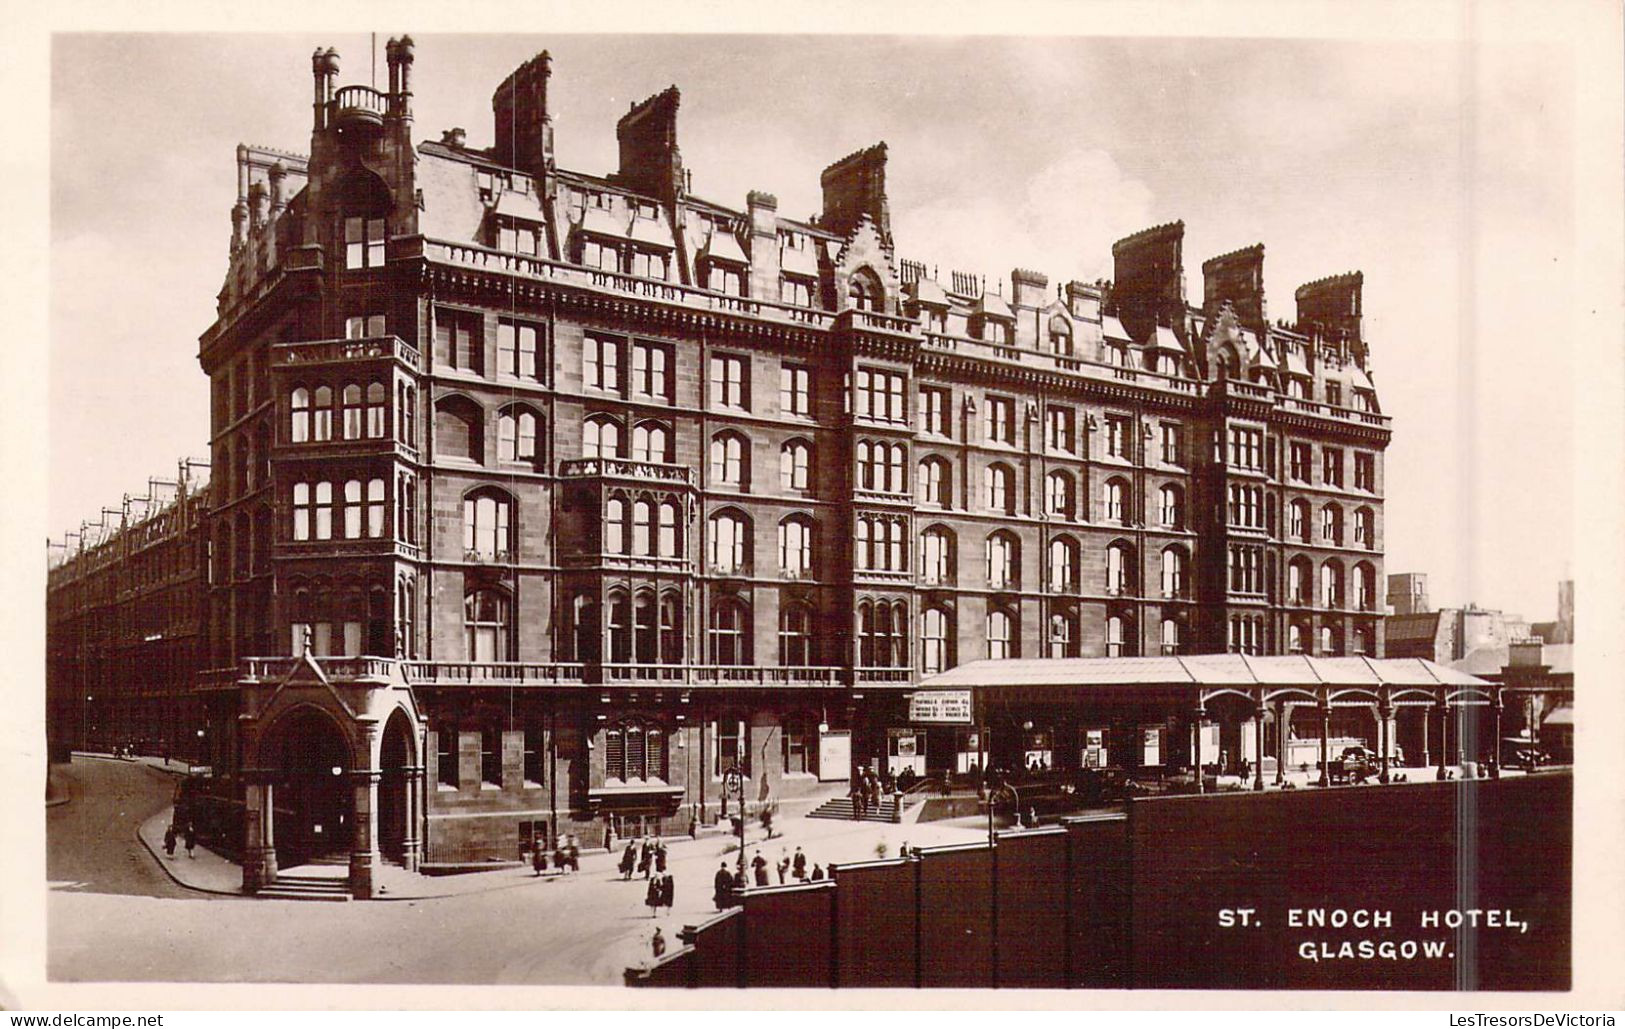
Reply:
x=733, y=785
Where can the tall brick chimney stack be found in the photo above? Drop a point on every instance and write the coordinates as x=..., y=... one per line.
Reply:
x=1332, y=305
x=1149, y=279
x=1237, y=278
x=855, y=186
x=524, y=128
x=651, y=163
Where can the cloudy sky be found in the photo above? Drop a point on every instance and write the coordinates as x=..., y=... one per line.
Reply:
x=1442, y=171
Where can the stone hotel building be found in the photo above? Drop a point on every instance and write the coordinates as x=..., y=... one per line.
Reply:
x=539, y=498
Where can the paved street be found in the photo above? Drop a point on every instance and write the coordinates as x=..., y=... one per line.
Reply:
x=114, y=914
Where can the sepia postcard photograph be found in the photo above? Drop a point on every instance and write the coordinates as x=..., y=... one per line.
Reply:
x=982, y=504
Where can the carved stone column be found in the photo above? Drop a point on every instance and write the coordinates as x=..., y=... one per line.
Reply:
x=411, y=844
x=259, y=843
x=364, y=844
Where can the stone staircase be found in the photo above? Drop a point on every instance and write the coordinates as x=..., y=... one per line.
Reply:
x=322, y=879
x=886, y=812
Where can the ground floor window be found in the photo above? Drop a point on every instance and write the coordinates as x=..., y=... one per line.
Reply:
x=800, y=745
x=634, y=750
x=729, y=745
x=446, y=756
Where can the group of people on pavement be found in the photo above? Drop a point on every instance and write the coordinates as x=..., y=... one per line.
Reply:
x=189, y=834
x=566, y=855
x=647, y=855
x=789, y=867
x=865, y=792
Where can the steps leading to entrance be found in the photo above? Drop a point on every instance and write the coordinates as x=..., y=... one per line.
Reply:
x=887, y=812
x=306, y=887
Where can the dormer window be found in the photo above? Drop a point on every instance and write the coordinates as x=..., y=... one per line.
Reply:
x=518, y=237
x=1334, y=394
x=596, y=253
x=648, y=264
x=796, y=291
x=725, y=277
x=865, y=293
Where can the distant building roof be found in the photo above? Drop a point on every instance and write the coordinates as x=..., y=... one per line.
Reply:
x=1411, y=627
x=1559, y=716
x=1201, y=670
x=1482, y=661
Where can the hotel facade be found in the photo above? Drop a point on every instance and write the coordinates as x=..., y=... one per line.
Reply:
x=539, y=499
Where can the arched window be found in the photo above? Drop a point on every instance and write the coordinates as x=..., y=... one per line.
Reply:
x=601, y=437
x=1003, y=560
x=936, y=641
x=1294, y=638
x=651, y=442
x=377, y=407
x=669, y=540
x=1000, y=488
x=299, y=426
x=729, y=538
x=795, y=458
x=619, y=628
x=375, y=508
x=488, y=525
x=324, y=510
x=644, y=639
x=896, y=474
x=1114, y=496
x=795, y=635
x=406, y=418
x=1119, y=559
x=1173, y=572
x=1299, y=523
x=1361, y=643
x=1331, y=524
x=1365, y=534
x=865, y=293
x=516, y=435
x=1298, y=578
x=1365, y=590
x=1331, y=584
x=1116, y=633
x=642, y=528
x=1063, y=634
x=353, y=414
x=301, y=511
x=634, y=751
x=458, y=429
x=671, y=629
x=1000, y=634
x=615, y=526
x=935, y=481
x=1063, y=564
x=1329, y=643
x=1170, y=636
x=1058, y=495
x=730, y=633
x=729, y=466
x=322, y=415
x=1171, y=505
x=936, y=556
x=796, y=546
x=486, y=621
x=1060, y=336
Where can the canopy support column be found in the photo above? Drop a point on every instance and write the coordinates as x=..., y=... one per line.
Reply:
x=1258, y=742
x=1325, y=708
x=1443, y=707
x=1196, y=742
x=1283, y=729
x=1385, y=712
x=1495, y=756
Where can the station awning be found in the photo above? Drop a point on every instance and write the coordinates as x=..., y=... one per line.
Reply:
x=1201, y=670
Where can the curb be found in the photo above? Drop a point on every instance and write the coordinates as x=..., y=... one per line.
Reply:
x=175, y=878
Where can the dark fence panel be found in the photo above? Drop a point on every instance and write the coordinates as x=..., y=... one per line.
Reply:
x=1100, y=902
x=875, y=924
x=787, y=935
x=1032, y=886
x=956, y=917
x=715, y=961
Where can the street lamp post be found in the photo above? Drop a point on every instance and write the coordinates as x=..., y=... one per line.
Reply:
x=733, y=785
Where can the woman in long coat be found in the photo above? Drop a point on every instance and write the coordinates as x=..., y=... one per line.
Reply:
x=654, y=896
x=668, y=891
x=628, y=857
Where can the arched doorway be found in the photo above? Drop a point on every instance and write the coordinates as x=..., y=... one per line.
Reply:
x=396, y=764
x=313, y=797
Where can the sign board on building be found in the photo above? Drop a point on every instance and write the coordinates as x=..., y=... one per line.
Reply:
x=834, y=756
x=940, y=706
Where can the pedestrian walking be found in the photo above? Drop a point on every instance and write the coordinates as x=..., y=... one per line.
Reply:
x=538, y=858
x=191, y=839
x=169, y=843
x=628, y=858
x=818, y=873
x=759, y=865
x=784, y=864
x=660, y=858
x=668, y=891
x=657, y=943
x=722, y=887
x=652, y=897
x=646, y=857
x=573, y=852
x=798, y=865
